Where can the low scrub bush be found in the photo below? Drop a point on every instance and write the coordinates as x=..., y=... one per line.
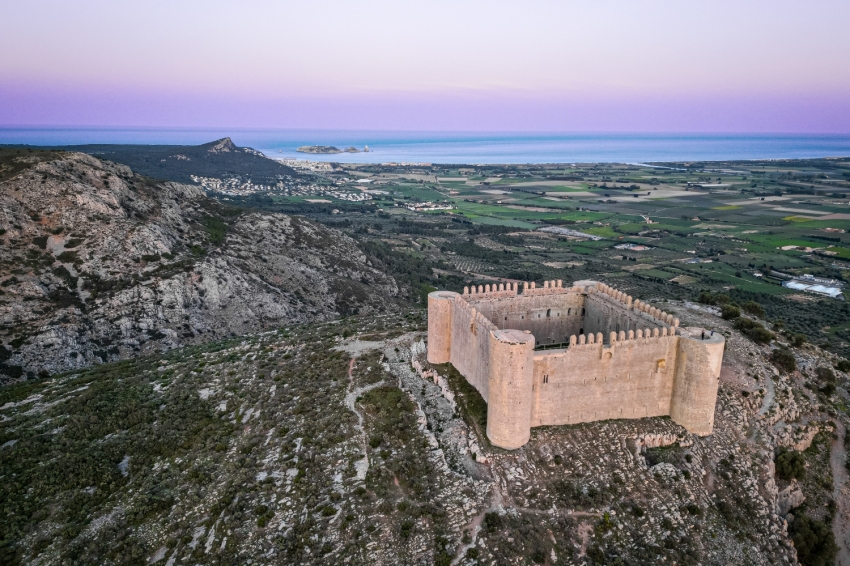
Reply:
x=753, y=308
x=753, y=330
x=790, y=464
x=730, y=312
x=784, y=360
x=814, y=541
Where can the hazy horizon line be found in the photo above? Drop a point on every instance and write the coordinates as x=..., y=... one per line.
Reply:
x=529, y=132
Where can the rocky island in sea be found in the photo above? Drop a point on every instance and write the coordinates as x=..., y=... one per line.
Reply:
x=324, y=149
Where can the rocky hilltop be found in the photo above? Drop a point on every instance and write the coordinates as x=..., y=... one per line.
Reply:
x=99, y=263
x=322, y=149
x=220, y=159
x=337, y=443
x=318, y=149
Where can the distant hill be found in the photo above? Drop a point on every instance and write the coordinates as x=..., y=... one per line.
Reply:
x=318, y=149
x=220, y=159
x=100, y=264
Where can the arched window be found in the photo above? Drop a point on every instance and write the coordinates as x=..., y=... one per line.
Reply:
x=582, y=312
x=548, y=313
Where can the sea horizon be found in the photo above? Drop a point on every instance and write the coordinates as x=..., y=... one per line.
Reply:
x=460, y=147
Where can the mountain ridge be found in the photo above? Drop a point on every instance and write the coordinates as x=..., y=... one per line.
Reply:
x=100, y=264
x=179, y=163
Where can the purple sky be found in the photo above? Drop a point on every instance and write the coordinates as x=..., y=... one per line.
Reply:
x=615, y=65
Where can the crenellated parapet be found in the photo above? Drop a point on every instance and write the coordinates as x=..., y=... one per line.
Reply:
x=476, y=320
x=638, y=306
x=556, y=286
x=586, y=339
x=494, y=290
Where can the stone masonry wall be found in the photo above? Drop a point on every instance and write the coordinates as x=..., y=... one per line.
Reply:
x=470, y=347
x=629, y=379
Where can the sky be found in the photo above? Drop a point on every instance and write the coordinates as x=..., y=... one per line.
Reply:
x=605, y=65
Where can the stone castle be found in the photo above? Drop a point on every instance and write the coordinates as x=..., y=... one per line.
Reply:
x=557, y=355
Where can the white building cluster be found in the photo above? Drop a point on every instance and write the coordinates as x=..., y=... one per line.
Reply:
x=818, y=285
x=428, y=206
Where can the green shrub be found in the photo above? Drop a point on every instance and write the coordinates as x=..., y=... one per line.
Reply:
x=706, y=298
x=753, y=308
x=825, y=374
x=814, y=541
x=790, y=464
x=784, y=360
x=424, y=289
x=492, y=521
x=843, y=365
x=216, y=229
x=753, y=330
x=67, y=257
x=730, y=312
x=760, y=335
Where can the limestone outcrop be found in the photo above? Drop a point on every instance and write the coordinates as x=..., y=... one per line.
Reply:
x=99, y=264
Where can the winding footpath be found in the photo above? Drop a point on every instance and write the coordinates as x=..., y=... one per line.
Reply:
x=362, y=466
x=841, y=495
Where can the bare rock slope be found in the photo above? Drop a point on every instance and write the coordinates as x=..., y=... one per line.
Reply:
x=98, y=264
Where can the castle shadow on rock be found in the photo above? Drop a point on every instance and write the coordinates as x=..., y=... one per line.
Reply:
x=610, y=357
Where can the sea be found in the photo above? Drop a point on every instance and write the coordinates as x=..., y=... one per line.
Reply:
x=462, y=147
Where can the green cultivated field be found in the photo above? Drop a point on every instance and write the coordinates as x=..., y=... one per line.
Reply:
x=736, y=230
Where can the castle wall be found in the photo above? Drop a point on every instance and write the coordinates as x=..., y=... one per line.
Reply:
x=642, y=366
x=470, y=345
x=629, y=379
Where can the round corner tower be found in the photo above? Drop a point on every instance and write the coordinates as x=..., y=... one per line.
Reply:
x=510, y=388
x=440, y=305
x=696, y=380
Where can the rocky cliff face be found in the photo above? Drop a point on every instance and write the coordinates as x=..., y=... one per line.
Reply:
x=98, y=264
